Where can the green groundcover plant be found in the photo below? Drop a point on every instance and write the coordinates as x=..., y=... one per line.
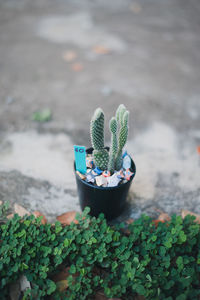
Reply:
x=158, y=262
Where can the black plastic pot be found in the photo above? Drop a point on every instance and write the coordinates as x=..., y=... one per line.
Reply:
x=108, y=200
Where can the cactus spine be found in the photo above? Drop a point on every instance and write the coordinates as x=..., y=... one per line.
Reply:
x=114, y=144
x=100, y=154
x=122, y=116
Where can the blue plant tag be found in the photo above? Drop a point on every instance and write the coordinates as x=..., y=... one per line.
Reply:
x=80, y=158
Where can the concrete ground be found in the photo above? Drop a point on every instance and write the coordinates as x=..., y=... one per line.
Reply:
x=72, y=56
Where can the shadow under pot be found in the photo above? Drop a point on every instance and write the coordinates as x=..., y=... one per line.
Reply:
x=107, y=200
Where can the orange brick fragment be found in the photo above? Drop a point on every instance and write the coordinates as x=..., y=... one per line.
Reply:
x=164, y=217
x=99, y=49
x=157, y=221
x=184, y=213
x=77, y=67
x=39, y=214
x=67, y=218
x=69, y=55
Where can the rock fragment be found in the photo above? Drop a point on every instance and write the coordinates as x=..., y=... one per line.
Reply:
x=67, y=218
x=20, y=210
x=39, y=214
x=101, y=181
x=24, y=283
x=164, y=217
x=184, y=213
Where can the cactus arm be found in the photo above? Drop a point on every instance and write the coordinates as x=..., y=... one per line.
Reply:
x=126, y=118
x=100, y=154
x=123, y=135
x=117, y=113
x=114, y=144
x=118, y=161
x=120, y=112
x=97, y=129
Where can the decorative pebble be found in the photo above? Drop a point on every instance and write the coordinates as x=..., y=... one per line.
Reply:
x=90, y=178
x=89, y=162
x=98, y=171
x=120, y=174
x=101, y=180
x=124, y=154
x=80, y=175
x=113, y=180
x=93, y=173
x=106, y=173
x=128, y=174
x=126, y=162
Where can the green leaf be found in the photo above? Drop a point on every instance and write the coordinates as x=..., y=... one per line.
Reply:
x=51, y=287
x=154, y=238
x=140, y=290
x=72, y=269
x=162, y=251
x=149, y=277
x=157, y=262
x=179, y=262
x=66, y=243
x=181, y=297
x=42, y=116
x=182, y=237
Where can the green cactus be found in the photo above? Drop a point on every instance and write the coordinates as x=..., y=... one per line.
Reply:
x=97, y=129
x=114, y=145
x=102, y=159
x=119, y=113
x=100, y=155
x=122, y=115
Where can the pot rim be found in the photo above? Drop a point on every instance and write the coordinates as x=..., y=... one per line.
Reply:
x=107, y=187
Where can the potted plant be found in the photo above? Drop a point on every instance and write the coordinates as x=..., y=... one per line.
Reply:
x=110, y=171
